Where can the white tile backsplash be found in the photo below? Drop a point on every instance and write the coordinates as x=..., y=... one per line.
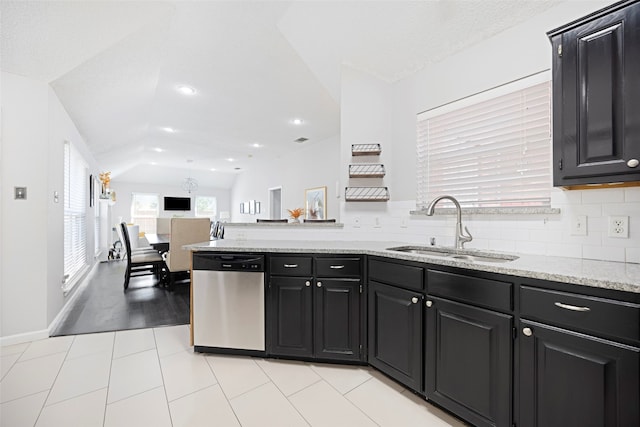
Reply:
x=548, y=234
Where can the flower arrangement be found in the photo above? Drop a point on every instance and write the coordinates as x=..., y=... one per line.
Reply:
x=296, y=213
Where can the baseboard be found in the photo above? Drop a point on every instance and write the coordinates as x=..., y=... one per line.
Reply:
x=24, y=337
x=67, y=305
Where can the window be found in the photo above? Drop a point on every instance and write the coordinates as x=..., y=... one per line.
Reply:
x=75, y=215
x=489, y=150
x=206, y=206
x=144, y=211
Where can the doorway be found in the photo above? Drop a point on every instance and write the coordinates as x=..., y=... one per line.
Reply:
x=275, y=203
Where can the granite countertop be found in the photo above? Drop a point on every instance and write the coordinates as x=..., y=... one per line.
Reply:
x=601, y=274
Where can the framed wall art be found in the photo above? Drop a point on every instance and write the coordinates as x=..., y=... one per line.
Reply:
x=315, y=203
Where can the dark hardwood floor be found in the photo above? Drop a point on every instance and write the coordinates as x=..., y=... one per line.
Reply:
x=103, y=305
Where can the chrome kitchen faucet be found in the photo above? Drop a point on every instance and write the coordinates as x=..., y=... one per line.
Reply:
x=461, y=237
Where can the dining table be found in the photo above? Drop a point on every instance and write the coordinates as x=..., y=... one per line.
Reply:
x=159, y=242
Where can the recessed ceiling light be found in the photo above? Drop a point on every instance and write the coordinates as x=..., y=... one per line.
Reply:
x=158, y=150
x=231, y=160
x=212, y=169
x=256, y=145
x=297, y=121
x=186, y=90
x=168, y=129
x=153, y=163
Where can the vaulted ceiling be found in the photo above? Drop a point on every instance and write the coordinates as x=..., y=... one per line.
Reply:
x=116, y=66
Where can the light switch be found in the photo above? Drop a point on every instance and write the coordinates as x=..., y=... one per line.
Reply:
x=20, y=193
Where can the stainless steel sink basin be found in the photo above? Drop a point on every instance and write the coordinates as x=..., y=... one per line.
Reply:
x=457, y=254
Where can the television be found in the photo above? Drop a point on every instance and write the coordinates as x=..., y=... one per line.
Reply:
x=177, y=203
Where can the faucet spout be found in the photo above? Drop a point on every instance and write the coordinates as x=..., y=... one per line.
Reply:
x=461, y=237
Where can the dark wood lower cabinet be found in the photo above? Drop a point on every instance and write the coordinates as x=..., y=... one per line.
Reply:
x=395, y=333
x=572, y=379
x=468, y=361
x=291, y=315
x=337, y=319
x=319, y=319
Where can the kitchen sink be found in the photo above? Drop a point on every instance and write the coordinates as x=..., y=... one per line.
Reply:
x=457, y=254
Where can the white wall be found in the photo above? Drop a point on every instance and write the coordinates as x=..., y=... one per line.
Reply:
x=34, y=127
x=315, y=165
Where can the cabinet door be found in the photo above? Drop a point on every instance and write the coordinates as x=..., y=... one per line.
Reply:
x=468, y=361
x=596, y=85
x=337, y=319
x=571, y=379
x=395, y=333
x=291, y=316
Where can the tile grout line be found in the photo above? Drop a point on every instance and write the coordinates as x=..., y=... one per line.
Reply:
x=223, y=393
x=164, y=388
x=44, y=403
x=287, y=397
x=344, y=396
x=106, y=397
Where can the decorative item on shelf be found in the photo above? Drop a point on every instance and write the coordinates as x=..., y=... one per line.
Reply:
x=105, y=179
x=316, y=203
x=295, y=214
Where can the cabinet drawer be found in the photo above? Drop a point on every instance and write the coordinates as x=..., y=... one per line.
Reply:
x=475, y=290
x=591, y=314
x=338, y=267
x=290, y=265
x=405, y=276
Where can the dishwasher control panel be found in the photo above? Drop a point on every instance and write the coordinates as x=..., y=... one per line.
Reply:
x=228, y=262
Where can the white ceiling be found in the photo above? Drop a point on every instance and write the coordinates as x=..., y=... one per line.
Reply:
x=115, y=66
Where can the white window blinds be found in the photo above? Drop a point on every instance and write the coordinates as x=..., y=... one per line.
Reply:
x=490, y=150
x=75, y=214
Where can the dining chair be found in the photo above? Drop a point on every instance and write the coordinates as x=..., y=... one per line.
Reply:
x=184, y=231
x=141, y=264
x=135, y=251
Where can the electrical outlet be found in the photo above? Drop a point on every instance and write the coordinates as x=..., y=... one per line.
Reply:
x=579, y=225
x=404, y=222
x=619, y=226
x=356, y=222
x=376, y=222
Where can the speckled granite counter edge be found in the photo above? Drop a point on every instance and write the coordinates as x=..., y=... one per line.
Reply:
x=527, y=266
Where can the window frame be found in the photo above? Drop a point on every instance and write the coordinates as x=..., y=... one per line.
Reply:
x=543, y=201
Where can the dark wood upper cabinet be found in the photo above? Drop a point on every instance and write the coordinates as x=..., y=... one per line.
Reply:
x=596, y=98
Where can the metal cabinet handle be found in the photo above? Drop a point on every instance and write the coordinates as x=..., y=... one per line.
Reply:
x=414, y=300
x=571, y=307
x=290, y=265
x=633, y=163
x=428, y=303
x=319, y=284
x=527, y=332
x=307, y=283
x=336, y=267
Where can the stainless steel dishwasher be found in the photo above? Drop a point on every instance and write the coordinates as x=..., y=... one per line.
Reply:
x=228, y=302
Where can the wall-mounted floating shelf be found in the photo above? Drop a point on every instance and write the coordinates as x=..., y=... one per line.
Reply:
x=366, y=194
x=365, y=149
x=366, y=170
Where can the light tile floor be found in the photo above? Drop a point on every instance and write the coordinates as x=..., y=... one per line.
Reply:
x=151, y=377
